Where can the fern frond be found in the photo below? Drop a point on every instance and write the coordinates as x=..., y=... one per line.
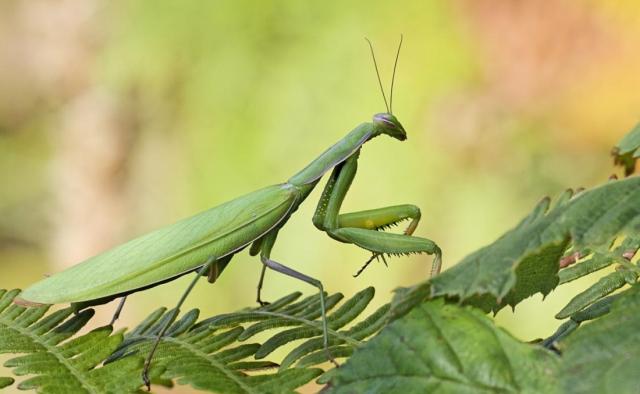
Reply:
x=207, y=357
x=598, y=290
x=59, y=363
x=204, y=354
x=593, y=311
x=599, y=260
x=304, y=317
x=580, y=306
x=359, y=332
x=311, y=330
x=595, y=262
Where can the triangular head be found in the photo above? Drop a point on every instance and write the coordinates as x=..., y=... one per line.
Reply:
x=386, y=123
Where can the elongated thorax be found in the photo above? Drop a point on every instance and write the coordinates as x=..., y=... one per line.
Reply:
x=336, y=154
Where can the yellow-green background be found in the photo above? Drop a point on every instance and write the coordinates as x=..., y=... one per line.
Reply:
x=503, y=101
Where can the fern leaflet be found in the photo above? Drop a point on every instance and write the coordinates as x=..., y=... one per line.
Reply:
x=61, y=364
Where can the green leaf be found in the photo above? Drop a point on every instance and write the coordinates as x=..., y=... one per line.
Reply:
x=525, y=260
x=61, y=364
x=5, y=382
x=628, y=150
x=604, y=356
x=446, y=348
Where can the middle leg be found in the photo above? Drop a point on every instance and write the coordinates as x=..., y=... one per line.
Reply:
x=274, y=265
x=265, y=254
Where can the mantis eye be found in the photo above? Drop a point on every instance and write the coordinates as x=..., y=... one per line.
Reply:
x=390, y=125
x=386, y=119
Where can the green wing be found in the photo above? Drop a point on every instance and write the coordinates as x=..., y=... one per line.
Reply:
x=170, y=251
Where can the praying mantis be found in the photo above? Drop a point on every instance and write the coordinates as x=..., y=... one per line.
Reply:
x=206, y=242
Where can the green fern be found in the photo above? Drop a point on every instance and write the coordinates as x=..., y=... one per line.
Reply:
x=303, y=316
x=61, y=364
x=298, y=319
x=5, y=382
x=596, y=300
x=208, y=355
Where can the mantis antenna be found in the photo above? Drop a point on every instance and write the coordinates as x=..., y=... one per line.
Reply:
x=375, y=64
x=393, y=76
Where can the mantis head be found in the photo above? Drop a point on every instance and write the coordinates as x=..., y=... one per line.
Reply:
x=386, y=123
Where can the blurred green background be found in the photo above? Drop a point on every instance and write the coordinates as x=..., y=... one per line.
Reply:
x=118, y=117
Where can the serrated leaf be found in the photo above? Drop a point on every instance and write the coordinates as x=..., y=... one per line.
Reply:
x=627, y=151
x=61, y=364
x=525, y=260
x=604, y=356
x=446, y=348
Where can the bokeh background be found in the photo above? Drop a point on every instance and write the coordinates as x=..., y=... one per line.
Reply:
x=118, y=117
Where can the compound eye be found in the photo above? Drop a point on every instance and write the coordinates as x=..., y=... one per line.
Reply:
x=386, y=119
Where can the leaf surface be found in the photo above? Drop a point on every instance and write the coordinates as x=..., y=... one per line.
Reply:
x=604, y=356
x=525, y=260
x=446, y=348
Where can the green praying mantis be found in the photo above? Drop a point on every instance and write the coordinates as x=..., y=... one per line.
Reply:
x=206, y=242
